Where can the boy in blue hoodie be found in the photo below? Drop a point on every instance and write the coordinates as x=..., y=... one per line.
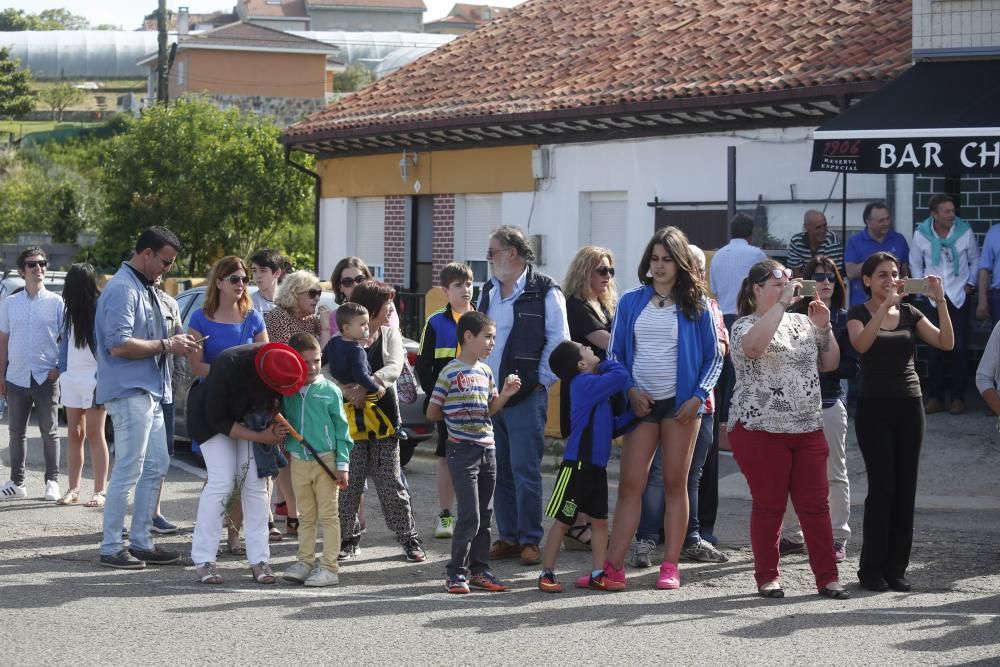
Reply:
x=582, y=484
x=317, y=412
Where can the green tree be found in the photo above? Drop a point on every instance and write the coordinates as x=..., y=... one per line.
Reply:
x=16, y=98
x=216, y=178
x=353, y=78
x=16, y=20
x=60, y=97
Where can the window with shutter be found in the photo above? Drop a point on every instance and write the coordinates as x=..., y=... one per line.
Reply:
x=608, y=221
x=369, y=242
x=480, y=215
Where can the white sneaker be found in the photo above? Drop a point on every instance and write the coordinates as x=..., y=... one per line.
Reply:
x=640, y=553
x=51, y=490
x=10, y=491
x=297, y=573
x=322, y=577
x=445, y=527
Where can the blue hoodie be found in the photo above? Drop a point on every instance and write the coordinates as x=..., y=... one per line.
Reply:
x=590, y=403
x=699, y=361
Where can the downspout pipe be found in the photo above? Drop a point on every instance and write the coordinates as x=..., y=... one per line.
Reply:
x=316, y=196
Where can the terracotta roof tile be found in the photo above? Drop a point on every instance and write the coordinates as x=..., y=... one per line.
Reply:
x=251, y=35
x=555, y=54
x=382, y=4
x=287, y=8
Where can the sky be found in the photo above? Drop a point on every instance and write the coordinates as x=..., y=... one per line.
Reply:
x=128, y=13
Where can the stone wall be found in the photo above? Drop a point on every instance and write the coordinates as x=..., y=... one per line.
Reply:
x=282, y=110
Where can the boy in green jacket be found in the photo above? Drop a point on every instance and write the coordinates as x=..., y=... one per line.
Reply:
x=317, y=412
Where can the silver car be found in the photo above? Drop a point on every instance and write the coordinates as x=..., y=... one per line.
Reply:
x=416, y=428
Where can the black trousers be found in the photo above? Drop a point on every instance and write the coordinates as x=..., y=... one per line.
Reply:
x=890, y=433
x=708, y=489
x=956, y=377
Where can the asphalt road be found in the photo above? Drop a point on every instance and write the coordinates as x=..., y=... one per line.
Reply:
x=60, y=608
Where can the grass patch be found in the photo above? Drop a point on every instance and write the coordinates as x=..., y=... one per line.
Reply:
x=23, y=127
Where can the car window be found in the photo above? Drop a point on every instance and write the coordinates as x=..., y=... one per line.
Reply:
x=187, y=303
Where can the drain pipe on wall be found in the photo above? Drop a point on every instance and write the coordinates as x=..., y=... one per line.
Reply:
x=316, y=196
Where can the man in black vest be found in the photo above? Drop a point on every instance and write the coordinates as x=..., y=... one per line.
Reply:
x=530, y=314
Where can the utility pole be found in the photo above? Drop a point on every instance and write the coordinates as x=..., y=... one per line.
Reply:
x=161, y=61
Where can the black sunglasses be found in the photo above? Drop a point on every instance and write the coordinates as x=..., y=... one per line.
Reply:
x=824, y=277
x=314, y=293
x=35, y=263
x=238, y=280
x=606, y=271
x=356, y=280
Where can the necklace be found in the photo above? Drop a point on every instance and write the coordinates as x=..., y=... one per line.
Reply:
x=664, y=298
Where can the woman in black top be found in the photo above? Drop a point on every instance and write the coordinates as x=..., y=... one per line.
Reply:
x=890, y=416
x=230, y=413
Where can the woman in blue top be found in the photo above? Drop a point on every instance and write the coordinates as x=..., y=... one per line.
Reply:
x=227, y=319
x=664, y=334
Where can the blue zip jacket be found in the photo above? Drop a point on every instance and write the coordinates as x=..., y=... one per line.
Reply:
x=590, y=403
x=699, y=361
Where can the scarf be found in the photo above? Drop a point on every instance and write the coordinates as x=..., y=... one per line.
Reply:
x=958, y=229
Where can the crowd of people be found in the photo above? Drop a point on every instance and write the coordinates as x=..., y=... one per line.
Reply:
x=752, y=355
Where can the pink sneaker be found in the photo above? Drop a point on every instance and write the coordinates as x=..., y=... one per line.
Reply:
x=598, y=583
x=670, y=578
x=614, y=578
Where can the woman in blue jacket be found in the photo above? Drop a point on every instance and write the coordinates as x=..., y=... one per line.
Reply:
x=663, y=333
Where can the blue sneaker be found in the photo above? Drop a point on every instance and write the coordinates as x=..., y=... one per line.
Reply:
x=163, y=527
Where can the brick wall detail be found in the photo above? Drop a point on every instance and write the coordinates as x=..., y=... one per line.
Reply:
x=395, y=239
x=444, y=232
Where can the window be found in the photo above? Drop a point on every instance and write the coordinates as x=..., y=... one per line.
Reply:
x=369, y=240
x=479, y=215
x=181, y=72
x=605, y=222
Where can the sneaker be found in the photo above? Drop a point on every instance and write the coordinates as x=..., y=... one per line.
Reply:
x=123, y=560
x=414, y=551
x=156, y=556
x=322, y=577
x=280, y=509
x=840, y=550
x=504, y=549
x=445, y=528
x=456, y=584
x=530, y=554
x=485, y=581
x=297, y=573
x=10, y=491
x=615, y=578
x=703, y=552
x=640, y=553
x=786, y=547
x=710, y=538
x=547, y=582
x=933, y=405
x=348, y=551
x=51, y=490
x=598, y=583
x=163, y=527
x=957, y=407
x=670, y=577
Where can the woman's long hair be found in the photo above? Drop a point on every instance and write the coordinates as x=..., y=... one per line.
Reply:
x=221, y=270
x=345, y=263
x=689, y=289
x=746, y=301
x=80, y=298
x=577, y=281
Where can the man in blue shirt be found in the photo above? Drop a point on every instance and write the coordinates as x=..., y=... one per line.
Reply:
x=877, y=236
x=989, y=277
x=133, y=380
x=530, y=314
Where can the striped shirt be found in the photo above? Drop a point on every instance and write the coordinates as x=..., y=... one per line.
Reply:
x=800, y=252
x=655, y=367
x=464, y=393
x=729, y=267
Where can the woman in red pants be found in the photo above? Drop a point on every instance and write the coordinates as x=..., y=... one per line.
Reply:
x=776, y=421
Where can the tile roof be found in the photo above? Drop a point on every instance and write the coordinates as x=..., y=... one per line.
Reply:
x=557, y=55
x=379, y=4
x=252, y=36
x=287, y=8
x=215, y=18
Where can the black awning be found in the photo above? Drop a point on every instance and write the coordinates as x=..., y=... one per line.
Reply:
x=936, y=117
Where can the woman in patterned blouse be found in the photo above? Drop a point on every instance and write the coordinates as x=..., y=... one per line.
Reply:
x=776, y=424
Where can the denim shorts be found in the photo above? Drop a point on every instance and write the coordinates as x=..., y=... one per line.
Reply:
x=662, y=409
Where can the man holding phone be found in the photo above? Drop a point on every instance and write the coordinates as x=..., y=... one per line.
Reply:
x=945, y=245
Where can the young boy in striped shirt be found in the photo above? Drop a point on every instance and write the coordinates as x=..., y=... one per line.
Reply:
x=465, y=396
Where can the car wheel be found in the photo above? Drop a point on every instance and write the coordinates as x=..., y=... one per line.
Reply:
x=406, y=449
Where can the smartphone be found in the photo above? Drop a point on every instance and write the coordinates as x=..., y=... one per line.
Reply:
x=808, y=288
x=915, y=286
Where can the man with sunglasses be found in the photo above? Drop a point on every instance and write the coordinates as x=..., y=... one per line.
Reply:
x=30, y=322
x=133, y=380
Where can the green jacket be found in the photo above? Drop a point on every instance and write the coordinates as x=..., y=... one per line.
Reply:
x=321, y=421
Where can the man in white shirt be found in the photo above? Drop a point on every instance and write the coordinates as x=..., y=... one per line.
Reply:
x=729, y=267
x=944, y=245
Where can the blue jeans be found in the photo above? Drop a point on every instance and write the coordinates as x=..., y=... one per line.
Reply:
x=141, y=462
x=168, y=425
x=520, y=437
x=653, y=498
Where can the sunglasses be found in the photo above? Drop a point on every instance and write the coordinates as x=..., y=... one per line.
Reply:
x=777, y=274
x=167, y=263
x=31, y=264
x=238, y=280
x=824, y=277
x=314, y=293
x=356, y=280
x=606, y=271
x=491, y=253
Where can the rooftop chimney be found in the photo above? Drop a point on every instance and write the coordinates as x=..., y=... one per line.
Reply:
x=182, y=20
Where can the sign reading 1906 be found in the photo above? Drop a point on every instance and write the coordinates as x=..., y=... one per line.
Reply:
x=951, y=155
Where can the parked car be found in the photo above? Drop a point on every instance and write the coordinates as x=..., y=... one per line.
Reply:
x=12, y=282
x=416, y=428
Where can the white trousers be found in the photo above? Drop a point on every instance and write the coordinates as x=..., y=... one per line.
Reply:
x=229, y=462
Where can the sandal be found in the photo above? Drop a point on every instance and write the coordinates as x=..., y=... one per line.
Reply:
x=839, y=593
x=292, y=527
x=208, y=574
x=71, y=497
x=572, y=540
x=771, y=590
x=96, y=500
x=273, y=534
x=262, y=573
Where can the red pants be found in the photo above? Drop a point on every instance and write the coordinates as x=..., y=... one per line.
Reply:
x=776, y=465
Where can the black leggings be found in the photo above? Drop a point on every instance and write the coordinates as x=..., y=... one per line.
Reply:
x=890, y=433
